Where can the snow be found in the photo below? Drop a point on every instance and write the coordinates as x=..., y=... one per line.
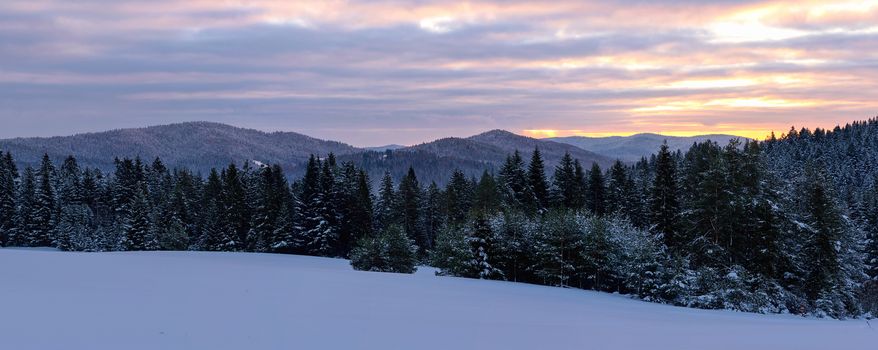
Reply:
x=196, y=300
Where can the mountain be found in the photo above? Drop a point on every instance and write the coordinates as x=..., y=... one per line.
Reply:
x=632, y=148
x=197, y=145
x=552, y=151
x=201, y=146
x=436, y=161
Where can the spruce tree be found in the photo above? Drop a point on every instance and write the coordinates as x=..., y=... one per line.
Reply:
x=384, y=207
x=361, y=216
x=708, y=201
x=486, y=198
x=434, y=215
x=596, y=191
x=215, y=235
x=236, y=209
x=870, y=226
x=827, y=280
x=458, y=198
x=481, y=240
x=75, y=218
x=389, y=251
x=76, y=229
x=596, y=255
x=125, y=184
x=618, y=192
x=8, y=173
x=260, y=193
x=25, y=230
x=514, y=184
x=557, y=250
x=354, y=206
x=44, y=214
x=516, y=234
x=567, y=188
x=287, y=237
x=581, y=184
x=539, y=186
x=409, y=205
x=453, y=255
x=138, y=233
x=316, y=227
x=664, y=206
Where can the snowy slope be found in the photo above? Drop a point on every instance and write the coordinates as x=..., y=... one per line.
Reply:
x=188, y=300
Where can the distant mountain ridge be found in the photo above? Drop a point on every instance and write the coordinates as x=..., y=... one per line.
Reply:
x=437, y=160
x=632, y=148
x=201, y=146
x=196, y=145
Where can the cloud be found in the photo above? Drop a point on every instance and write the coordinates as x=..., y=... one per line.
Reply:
x=353, y=70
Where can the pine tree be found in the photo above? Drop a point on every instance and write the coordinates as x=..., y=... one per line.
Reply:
x=458, y=198
x=354, y=207
x=185, y=197
x=24, y=232
x=236, y=209
x=597, y=255
x=316, y=215
x=452, y=255
x=539, y=186
x=44, y=217
x=663, y=202
x=384, y=207
x=328, y=231
x=139, y=234
x=434, y=216
x=286, y=237
x=484, y=253
x=127, y=180
x=76, y=229
x=268, y=195
x=486, y=199
x=596, y=191
x=557, y=249
x=618, y=192
x=515, y=244
x=172, y=234
x=514, y=184
x=215, y=235
x=8, y=173
x=871, y=229
x=158, y=183
x=827, y=279
x=389, y=251
x=567, y=188
x=409, y=206
x=361, y=216
x=708, y=201
x=75, y=218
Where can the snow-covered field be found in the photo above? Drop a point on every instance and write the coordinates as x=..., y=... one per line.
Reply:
x=187, y=300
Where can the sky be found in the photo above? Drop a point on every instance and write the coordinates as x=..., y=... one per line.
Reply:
x=378, y=72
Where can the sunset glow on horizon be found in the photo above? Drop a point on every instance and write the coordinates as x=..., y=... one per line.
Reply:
x=380, y=72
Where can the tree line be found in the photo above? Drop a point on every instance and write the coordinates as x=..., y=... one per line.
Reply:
x=712, y=227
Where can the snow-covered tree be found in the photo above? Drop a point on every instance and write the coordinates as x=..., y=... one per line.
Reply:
x=664, y=206
x=483, y=249
x=538, y=183
x=8, y=174
x=44, y=212
x=388, y=251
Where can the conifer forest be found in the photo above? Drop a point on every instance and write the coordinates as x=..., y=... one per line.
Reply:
x=784, y=225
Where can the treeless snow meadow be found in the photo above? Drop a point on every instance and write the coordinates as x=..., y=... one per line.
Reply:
x=196, y=300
